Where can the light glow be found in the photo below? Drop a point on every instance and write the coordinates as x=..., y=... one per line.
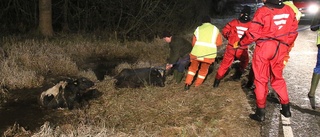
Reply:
x=313, y=8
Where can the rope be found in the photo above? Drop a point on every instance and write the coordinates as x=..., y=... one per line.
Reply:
x=301, y=29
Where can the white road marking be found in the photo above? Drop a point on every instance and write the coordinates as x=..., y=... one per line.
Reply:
x=286, y=125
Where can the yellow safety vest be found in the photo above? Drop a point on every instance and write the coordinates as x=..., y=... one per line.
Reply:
x=205, y=46
x=295, y=9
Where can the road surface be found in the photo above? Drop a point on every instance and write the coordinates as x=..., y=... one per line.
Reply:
x=305, y=122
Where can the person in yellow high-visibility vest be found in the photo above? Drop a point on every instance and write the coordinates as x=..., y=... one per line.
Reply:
x=206, y=38
x=298, y=16
x=316, y=71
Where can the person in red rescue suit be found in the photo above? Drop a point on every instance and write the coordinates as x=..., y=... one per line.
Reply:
x=286, y=58
x=273, y=29
x=233, y=31
x=205, y=40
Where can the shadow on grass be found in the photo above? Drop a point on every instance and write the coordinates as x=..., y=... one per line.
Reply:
x=102, y=66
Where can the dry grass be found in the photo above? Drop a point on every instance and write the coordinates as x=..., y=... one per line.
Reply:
x=149, y=111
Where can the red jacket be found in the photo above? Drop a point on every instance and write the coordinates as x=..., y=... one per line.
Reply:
x=234, y=30
x=272, y=23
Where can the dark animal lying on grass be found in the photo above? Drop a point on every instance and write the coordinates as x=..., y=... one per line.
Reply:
x=135, y=78
x=68, y=93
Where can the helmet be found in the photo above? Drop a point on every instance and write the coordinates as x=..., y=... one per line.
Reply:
x=244, y=18
x=246, y=9
x=245, y=14
x=206, y=19
x=275, y=3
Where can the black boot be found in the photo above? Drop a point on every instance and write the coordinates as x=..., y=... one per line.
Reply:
x=285, y=111
x=259, y=115
x=237, y=75
x=216, y=83
x=249, y=84
x=186, y=87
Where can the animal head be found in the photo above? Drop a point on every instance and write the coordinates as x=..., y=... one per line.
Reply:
x=83, y=83
x=75, y=89
x=158, y=77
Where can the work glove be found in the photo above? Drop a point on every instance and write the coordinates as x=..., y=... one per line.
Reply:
x=236, y=44
x=284, y=62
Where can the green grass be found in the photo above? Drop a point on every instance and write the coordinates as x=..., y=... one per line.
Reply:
x=150, y=111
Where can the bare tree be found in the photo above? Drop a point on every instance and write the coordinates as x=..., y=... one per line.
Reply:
x=121, y=19
x=45, y=18
x=65, y=25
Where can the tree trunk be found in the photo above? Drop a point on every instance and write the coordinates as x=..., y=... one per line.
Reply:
x=45, y=18
x=65, y=25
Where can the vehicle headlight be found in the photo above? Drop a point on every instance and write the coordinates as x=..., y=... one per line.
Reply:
x=313, y=9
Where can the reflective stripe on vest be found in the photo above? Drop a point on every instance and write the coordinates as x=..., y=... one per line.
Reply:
x=205, y=46
x=294, y=8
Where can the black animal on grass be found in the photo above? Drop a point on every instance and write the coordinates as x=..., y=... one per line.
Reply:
x=140, y=77
x=68, y=93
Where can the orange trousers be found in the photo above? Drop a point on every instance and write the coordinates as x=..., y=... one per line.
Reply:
x=193, y=69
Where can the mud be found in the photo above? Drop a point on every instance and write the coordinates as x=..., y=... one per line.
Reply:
x=22, y=106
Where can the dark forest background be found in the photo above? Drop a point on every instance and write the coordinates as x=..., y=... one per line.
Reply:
x=121, y=19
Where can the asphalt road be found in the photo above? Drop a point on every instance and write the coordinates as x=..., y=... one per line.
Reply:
x=305, y=122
